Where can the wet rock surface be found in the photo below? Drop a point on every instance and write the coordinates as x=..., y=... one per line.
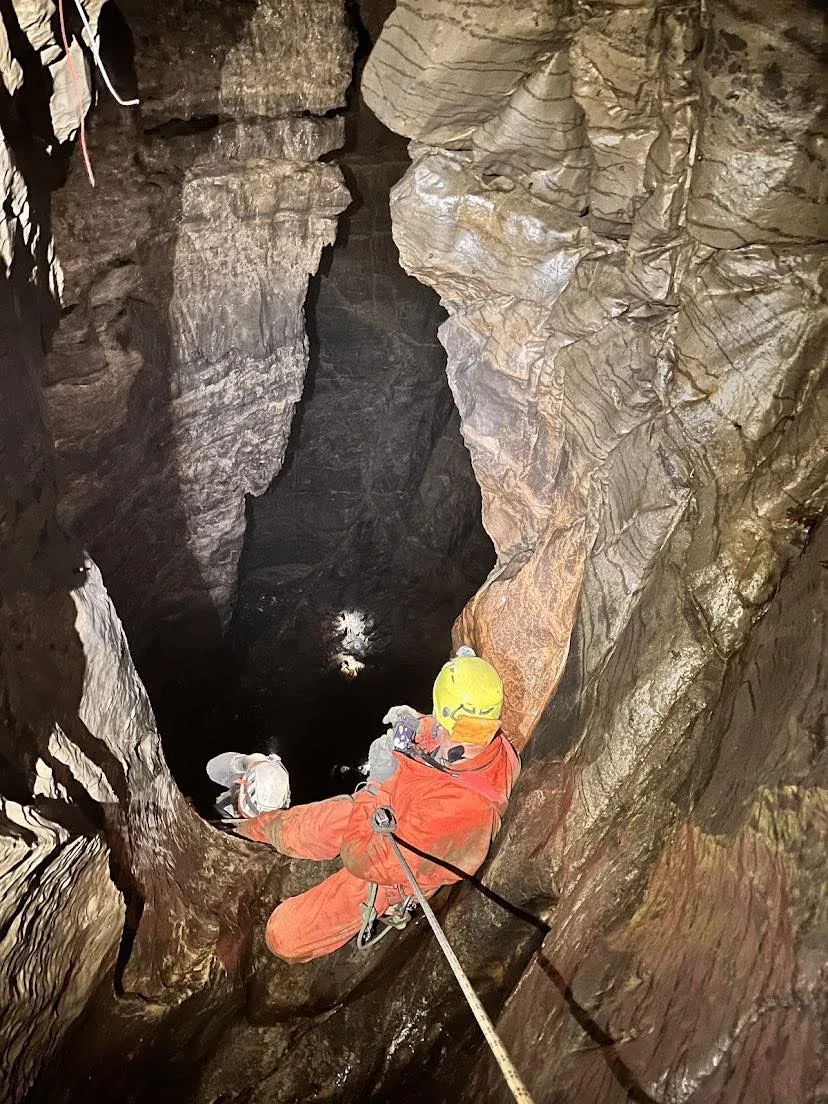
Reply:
x=607, y=317
x=683, y=952
x=656, y=350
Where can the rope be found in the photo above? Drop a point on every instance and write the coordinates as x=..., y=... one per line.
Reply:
x=385, y=822
x=77, y=91
x=96, y=54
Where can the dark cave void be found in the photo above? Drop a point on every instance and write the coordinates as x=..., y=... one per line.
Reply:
x=376, y=510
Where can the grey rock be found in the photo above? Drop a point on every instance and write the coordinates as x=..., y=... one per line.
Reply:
x=553, y=313
x=171, y=384
x=642, y=393
x=258, y=58
x=759, y=175
x=441, y=69
x=640, y=389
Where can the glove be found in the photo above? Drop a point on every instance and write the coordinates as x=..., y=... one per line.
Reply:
x=404, y=723
x=397, y=712
x=381, y=762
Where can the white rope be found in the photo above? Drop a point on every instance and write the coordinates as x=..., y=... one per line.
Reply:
x=93, y=43
x=518, y=1089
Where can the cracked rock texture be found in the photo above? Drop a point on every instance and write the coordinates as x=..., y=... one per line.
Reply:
x=626, y=232
x=172, y=380
x=619, y=208
x=104, y=869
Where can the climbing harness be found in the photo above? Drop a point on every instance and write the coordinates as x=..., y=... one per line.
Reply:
x=385, y=822
x=395, y=919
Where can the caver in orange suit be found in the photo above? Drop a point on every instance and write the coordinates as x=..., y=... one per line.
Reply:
x=451, y=814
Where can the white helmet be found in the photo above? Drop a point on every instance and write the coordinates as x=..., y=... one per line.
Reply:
x=254, y=783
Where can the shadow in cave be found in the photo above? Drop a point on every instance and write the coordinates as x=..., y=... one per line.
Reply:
x=604, y=1043
x=481, y=887
x=42, y=662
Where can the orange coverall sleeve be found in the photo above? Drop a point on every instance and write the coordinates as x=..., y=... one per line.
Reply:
x=304, y=832
x=442, y=820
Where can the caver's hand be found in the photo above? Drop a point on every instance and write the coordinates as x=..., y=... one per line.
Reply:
x=381, y=762
x=404, y=722
x=398, y=712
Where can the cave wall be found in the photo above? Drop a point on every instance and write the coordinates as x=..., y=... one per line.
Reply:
x=621, y=209
x=171, y=383
x=42, y=862
x=642, y=417
x=569, y=219
x=694, y=945
x=642, y=395
x=114, y=895
x=131, y=943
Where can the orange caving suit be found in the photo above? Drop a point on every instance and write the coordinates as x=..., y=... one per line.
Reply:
x=453, y=815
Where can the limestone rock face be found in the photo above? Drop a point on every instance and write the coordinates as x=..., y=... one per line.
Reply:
x=109, y=882
x=109, y=879
x=685, y=953
x=172, y=380
x=255, y=58
x=626, y=234
x=618, y=207
x=593, y=315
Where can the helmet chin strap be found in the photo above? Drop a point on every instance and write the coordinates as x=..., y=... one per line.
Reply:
x=455, y=752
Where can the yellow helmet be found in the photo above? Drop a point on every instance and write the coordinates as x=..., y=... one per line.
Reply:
x=468, y=698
